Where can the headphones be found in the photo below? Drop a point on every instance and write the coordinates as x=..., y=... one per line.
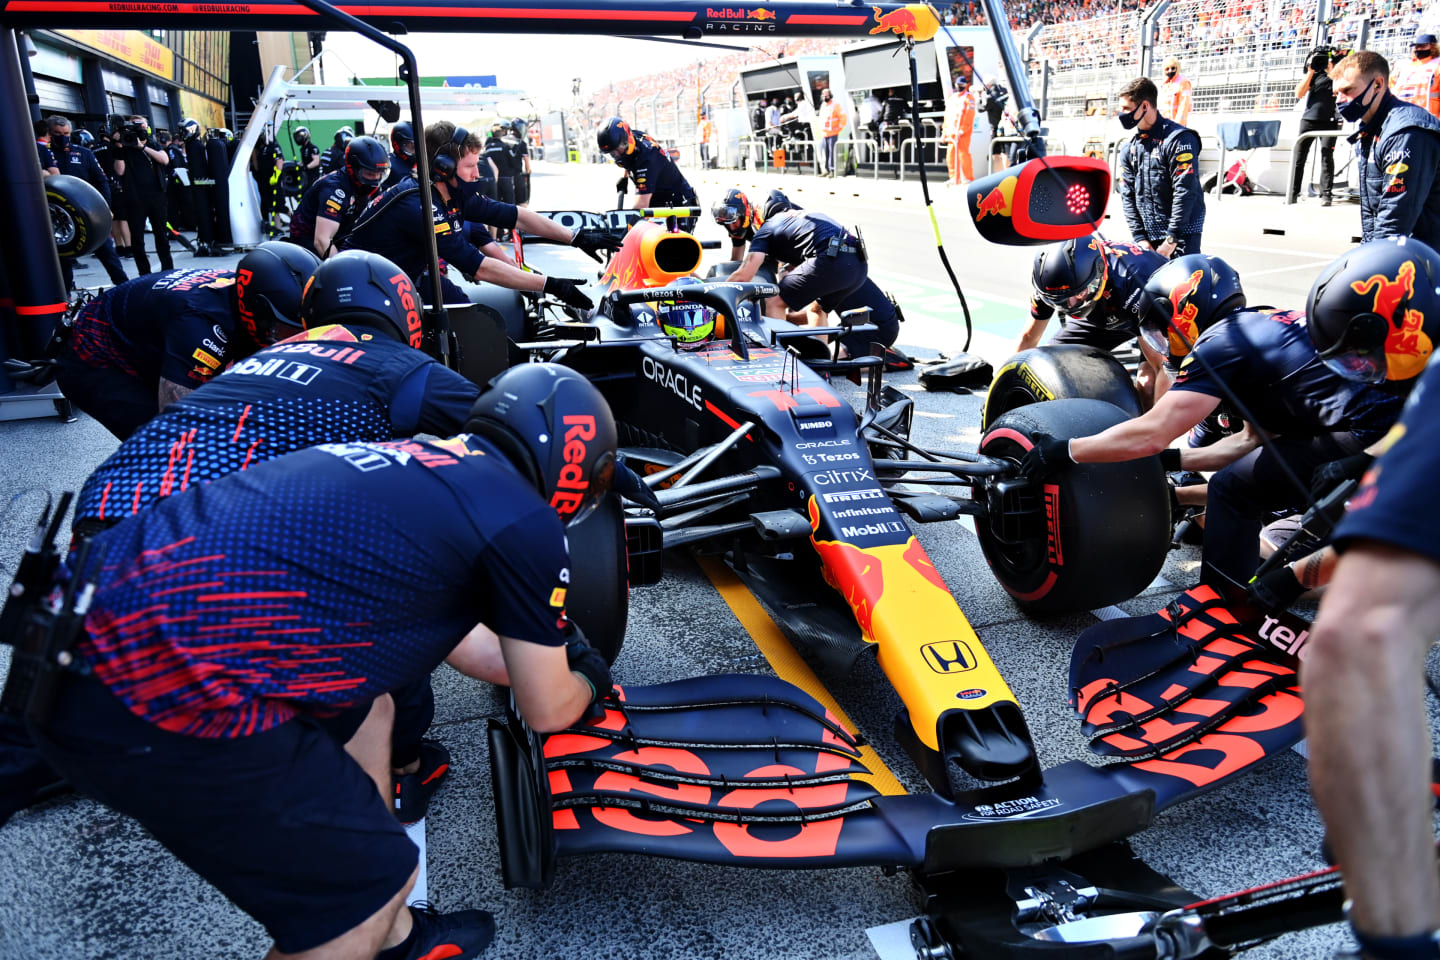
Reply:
x=447, y=157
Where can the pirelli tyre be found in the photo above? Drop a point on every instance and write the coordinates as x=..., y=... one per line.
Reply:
x=598, y=598
x=1059, y=372
x=79, y=216
x=1085, y=537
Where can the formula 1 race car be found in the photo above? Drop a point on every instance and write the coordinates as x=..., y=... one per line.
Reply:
x=748, y=449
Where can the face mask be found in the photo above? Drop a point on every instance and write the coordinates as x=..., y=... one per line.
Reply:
x=1354, y=110
x=1130, y=120
x=59, y=142
x=1424, y=53
x=1170, y=74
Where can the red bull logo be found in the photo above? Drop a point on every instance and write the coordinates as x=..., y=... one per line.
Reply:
x=1407, y=346
x=406, y=294
x=900, y=21
x=760, y=13
x=1000, y=202
x=247, y=317
x=739, y=13
x=1183, y=312
x=916, y=556
x=573, y=482
x=858, y=576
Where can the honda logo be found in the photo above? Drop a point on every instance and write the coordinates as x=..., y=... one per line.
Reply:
x=948, y=656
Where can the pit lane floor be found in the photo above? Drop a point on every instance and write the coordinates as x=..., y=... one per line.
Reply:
x=79, y=881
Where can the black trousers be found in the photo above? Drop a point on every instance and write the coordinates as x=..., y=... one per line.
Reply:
x=1327, y=158
x=1243, y=494
x=197, y=201
x=108, y=258
x=149, y=207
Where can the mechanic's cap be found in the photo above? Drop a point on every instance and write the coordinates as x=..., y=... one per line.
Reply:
x=1187, y=296
x=556, y=428
x=1071, y=276
x=402, y=139
x=268, y=284
x=615, y=138
x=776, y=202
x=364, y=288
x=1374, y=314
x=1423, y=38
x=344, y=134
x=367, y=162
x=687, y=322
x=733, y=209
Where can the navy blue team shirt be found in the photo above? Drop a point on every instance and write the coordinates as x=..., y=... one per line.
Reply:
x=333, y=197
x=794, y=236
x=1122, y=304
x=655, y=173
x=327, y=384
x=180, y=325
x=391, y=227
x=320, y=580
x=1268, y=360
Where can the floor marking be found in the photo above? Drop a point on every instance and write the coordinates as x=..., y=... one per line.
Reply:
x=1318, y=254
x=788, y=664
x=1298, y=266
x=416, y=832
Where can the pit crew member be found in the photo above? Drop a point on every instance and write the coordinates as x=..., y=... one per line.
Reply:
x=658, y=182
x=740, y=219
x=390, y=226
x=1160, y=176
x=270, y=782
x=139, y=347
x=402, y=154
x=828, y=271
x=330, y=208
x=1398, y=146
x=1265, y=356
x=1098, y=288
x=1370, y=768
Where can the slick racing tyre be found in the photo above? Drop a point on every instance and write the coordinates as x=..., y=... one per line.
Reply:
x=1059, y=372
x=598, y=598
x=1085, y=537
x=79, y=216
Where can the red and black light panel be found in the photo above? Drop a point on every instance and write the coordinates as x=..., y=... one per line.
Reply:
x=1030, y=204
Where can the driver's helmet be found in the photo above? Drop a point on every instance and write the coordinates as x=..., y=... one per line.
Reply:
x=1374, y=314
x=733, y=211
x=367, y=163
x=776, y=202
x=1188, y=296
x=687, y=322
x=1071, y=276
x=557, y=430
x=615, y=138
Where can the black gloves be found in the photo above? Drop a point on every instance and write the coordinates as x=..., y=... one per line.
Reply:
x=595, y=242
x=1328, y=475
x=629, y=485
x=568, y=292
x=623, y=184
x=587, y=662
x=1049, y=455
x=1277, y=589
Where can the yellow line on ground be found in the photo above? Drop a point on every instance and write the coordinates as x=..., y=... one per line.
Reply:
x=788, y=665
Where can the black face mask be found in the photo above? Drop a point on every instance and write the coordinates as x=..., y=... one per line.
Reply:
x=59, y=142
x=1424, y=53
x=1170, y=74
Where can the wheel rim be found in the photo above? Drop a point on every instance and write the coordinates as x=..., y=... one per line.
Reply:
x=1014, y=561
x=64, y=225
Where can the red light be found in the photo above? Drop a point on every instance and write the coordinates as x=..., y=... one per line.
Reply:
x=1077, y=199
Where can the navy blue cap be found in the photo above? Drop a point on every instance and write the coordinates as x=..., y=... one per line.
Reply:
x=1423, y=38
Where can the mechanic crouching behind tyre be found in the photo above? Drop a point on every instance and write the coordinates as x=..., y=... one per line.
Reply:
x=1265, y=356
x=1097, y=287
x=828, y=271
x=138, y=347
x=349, y=377
x=393, y=226
x=270, y=783
x=1375, y=316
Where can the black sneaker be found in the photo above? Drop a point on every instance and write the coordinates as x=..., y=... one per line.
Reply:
x=449, y=936
x=414, y=790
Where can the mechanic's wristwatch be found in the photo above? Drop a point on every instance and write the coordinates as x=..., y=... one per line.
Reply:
x=1172, y=241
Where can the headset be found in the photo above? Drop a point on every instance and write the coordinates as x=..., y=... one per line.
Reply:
x=445, y=162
